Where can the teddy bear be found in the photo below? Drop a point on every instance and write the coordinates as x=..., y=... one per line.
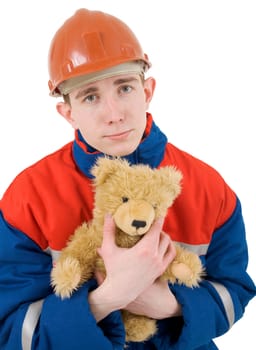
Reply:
x=135, y=195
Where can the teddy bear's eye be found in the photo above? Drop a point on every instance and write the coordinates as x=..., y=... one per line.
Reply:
x=125, y=199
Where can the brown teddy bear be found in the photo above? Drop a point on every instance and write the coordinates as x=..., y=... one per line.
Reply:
x=135, y=195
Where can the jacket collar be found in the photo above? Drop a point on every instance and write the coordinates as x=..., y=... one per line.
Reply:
x=150, y=151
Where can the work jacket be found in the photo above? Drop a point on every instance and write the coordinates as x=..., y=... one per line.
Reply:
x=45, y=204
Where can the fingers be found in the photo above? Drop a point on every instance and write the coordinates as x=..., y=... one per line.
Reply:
x=154, y=244
x=159, y=244
x=99, y=277
x=166, y=245
x=151, y=239
x=108, y=241
x=166, y=248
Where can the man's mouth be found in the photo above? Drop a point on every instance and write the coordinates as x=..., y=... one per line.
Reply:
x=119, y=136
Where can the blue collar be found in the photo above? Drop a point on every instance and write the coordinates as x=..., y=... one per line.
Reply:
x=150, y=151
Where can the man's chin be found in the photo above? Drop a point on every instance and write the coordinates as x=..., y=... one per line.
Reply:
x=122, y=152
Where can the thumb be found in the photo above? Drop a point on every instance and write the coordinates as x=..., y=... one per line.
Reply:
x=108, y=240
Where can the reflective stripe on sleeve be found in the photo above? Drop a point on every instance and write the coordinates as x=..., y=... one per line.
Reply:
x=29, y=324
x=54, y=253
x=226, y=300
x=199, y=249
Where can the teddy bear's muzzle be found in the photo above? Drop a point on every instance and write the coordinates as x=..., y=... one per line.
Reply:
x=134, y=217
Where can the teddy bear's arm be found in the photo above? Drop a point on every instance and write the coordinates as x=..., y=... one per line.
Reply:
x=75, y=264
x=186, y=268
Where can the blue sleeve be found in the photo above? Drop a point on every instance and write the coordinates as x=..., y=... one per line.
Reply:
x=211, y=309
x=72, y=325
x=32, y=317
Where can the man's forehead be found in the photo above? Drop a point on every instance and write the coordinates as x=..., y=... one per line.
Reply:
x=128, y=68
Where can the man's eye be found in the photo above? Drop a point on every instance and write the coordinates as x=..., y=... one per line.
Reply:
x=126, y=88
x=90, y=98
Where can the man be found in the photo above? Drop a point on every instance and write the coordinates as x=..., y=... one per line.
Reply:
x=97, y=64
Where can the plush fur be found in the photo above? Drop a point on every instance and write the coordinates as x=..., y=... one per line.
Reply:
x=135, y=196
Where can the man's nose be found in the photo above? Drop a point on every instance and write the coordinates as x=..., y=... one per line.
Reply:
x=112, y=110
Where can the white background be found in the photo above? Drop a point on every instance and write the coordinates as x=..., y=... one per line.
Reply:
x=204, y=59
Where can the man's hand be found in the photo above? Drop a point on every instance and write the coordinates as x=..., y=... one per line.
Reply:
x=157, y=302
x=130, y=272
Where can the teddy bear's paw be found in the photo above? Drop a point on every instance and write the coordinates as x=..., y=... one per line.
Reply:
x=139, y=328
x=65, y=277
x=184, y=274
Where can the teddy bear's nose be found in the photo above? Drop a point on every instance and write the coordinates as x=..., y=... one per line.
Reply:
x=139, y=223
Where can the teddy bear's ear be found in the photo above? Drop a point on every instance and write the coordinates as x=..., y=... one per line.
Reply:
x=106, y=167
x=172, y=177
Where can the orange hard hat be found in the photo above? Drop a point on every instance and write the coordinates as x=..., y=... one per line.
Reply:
x=88, y=42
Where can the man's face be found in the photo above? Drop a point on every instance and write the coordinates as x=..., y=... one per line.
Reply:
x=111, y=113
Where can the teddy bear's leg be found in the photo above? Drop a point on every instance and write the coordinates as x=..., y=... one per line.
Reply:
x=186, y=268
x=138, y=328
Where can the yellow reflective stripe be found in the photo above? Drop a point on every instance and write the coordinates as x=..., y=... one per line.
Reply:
x=226, y=300
x=29, y=324
x=199, y=249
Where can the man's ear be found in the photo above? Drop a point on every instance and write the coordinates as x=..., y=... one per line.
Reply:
x=65, y=110
x=149, y=88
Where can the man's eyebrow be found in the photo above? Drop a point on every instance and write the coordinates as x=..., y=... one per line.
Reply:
x=86, y=91
x=125, y=80
x=93, y=89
